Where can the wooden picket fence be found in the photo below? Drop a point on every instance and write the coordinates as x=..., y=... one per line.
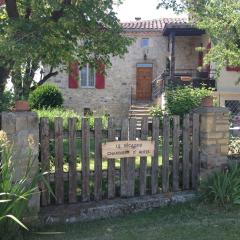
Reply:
x=176, y=140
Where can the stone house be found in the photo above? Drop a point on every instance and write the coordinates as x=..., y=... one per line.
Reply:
x=166, y=45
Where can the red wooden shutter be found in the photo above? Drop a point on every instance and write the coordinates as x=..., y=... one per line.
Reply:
x=73, y=80
x=233, y=69
x=100, y=77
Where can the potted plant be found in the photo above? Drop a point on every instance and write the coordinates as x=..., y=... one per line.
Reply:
x=22, y=105
x=207, y=101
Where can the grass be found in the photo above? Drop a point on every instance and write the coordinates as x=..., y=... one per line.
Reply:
x=65, y=114
x=180, y=222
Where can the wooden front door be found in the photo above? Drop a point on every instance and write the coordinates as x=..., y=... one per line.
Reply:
x=144, y=83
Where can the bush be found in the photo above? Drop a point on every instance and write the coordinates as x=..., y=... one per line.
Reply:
x=222, y=187
x=156, y=112
x=7, y=101
x=182, y=100
x=46, y=96
x=52, y=113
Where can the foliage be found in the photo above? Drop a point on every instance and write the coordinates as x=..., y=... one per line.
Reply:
x=7, y=101
x=222, y=187
x=46, y=96
x=156, y=112
x=221, y=20
x=234, y=146
x=182, y=100
x=55, y=33
x=15, y=195
x=52, y=113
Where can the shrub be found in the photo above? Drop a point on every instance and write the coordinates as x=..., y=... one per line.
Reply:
x=7, y=101
x=46, y=96
x=52, y=113
x=182, y=100
x=156, y=112
x=222, y=187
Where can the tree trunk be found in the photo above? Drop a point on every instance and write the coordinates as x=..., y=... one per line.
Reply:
x=4, y=73
x=17, y=82
x=28, y=78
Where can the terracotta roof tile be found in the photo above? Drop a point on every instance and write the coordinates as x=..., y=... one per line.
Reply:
x=152, y=25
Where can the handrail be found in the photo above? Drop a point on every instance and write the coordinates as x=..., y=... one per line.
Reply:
x=199, y=77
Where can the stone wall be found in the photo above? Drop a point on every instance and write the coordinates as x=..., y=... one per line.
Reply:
x=214, y=137
x=115, y=99
x=22, y=129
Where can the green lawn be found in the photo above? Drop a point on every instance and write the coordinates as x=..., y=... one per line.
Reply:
x=181, y=222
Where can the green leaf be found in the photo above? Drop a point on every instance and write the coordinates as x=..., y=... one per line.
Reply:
x=17, y=221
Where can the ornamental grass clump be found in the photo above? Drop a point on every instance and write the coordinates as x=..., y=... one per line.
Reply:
x=222, y=187
x=15, y=194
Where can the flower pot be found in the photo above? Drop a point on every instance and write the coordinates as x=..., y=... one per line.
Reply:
x=21, y=106
x=207, y=101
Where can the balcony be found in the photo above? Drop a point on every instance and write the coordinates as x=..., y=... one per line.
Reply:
x=183, y=77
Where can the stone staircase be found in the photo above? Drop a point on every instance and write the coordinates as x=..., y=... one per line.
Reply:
x=139, y=111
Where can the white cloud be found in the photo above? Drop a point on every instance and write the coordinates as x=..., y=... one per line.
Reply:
x=146, y=9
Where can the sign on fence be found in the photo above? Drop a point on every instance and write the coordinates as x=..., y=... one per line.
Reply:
x=125, y=149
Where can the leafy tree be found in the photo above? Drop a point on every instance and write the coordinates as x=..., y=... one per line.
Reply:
x=54, y=33
x=221, y=20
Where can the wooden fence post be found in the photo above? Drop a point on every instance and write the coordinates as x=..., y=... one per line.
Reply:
x=59, y=182
x=124, y=161
x=72, y=148
x=155, y=138
x=143, y=160
x=98, y=160
x=131, y=161
x=176, y=152
x=111, y=162
x=186, y=151
x=45, y=160
x=85, y=160
x=165, y=167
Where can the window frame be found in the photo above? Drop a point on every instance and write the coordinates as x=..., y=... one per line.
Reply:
x=142, y=41
x=87, y=80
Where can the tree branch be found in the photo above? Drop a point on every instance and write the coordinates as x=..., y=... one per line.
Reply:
x=45, y=78
x=28, y=13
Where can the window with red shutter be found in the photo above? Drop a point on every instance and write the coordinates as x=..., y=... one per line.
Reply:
x=73, y=80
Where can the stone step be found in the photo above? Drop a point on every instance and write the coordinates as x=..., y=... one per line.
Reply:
x=140, y=107
x=139, y=115
x=139, y=112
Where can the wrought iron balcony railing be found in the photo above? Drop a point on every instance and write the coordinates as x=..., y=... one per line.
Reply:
x=183, y=77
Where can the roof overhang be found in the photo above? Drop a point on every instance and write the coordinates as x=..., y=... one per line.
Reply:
x=182, y=30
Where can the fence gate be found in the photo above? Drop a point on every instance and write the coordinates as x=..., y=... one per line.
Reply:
x=71, y=153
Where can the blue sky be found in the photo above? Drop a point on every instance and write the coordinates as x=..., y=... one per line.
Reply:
x=146, y=9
